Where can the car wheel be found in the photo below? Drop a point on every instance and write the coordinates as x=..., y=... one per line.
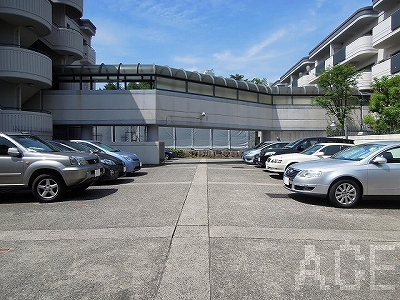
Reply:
x=345, y=193
x=48, y=187
x=167, y=156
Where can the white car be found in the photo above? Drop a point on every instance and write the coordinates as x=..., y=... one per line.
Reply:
x=279, y=163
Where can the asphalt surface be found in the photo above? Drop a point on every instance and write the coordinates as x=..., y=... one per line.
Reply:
x=197, y=229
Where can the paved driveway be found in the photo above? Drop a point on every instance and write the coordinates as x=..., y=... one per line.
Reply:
x=197, y=229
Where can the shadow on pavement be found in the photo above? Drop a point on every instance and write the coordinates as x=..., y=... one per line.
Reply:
x=369, y=203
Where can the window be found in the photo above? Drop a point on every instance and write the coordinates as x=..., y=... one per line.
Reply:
x=4, y=145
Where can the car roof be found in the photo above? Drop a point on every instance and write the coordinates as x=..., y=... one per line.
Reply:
x=330, y=144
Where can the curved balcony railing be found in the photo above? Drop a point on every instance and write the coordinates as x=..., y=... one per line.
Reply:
x=365, y=80
x=66, y=41
x=35, y=15
x=360, y=49
x=35, y=122
x=24, y=65
x=74, y=8
x=89, y=55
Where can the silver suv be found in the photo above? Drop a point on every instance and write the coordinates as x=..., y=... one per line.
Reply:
x=26, y=161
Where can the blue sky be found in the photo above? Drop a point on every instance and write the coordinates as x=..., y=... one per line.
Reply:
x=259, y=38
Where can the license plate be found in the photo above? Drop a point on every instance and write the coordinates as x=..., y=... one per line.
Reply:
x=97, y=172
x=286, y=180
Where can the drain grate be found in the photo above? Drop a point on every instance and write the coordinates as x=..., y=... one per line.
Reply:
x=271, y=195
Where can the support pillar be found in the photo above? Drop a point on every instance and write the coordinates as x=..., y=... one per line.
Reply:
x=152, y=133
x=265, y=135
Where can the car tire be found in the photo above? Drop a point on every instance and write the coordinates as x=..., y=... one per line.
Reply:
x=48, y=187
x=167, y=156
x=345, y=193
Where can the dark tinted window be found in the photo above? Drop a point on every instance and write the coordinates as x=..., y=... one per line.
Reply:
x=4, y=145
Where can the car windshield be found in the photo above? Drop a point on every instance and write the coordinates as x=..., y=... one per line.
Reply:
x=105, y=147
x=312, y=149
x=79, y=147
x=34, y=144
x=358, y=152
x=262, y=144
x=293, y=144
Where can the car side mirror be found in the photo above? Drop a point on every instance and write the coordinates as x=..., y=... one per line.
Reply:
x=13, y=152
x=320, y=154
x=379, y=160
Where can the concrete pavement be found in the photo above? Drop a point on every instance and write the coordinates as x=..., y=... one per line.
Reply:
x=197, y=229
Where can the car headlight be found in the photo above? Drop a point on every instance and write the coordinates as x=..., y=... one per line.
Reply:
x=78, y=161
x=269, y=153
x=310, y=174
x=127, y=157
x=107, y=161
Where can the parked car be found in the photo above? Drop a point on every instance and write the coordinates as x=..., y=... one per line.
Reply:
x=131, y=160
x=371, y=169
x=249, y=156
x=298, y=146
x=113, y=166
x=279, y=163
x=26, y=161
x=169, y=154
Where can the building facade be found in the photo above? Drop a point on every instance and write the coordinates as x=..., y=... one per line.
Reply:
x=368, y=40
x=35, y=36
x=48, y=77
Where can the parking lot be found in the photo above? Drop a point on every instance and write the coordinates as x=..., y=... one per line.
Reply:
x=197, y=229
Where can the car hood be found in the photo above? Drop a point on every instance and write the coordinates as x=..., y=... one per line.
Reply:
x=131, y=155
x=252, y=152
x=294, y=156
x=278, y=150
x=326, y=163
x=66, y=154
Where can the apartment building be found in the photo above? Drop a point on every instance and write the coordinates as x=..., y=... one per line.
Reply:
x=35, y=35
x=368, y=39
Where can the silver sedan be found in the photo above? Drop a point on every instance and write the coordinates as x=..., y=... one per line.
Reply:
x=371, y=169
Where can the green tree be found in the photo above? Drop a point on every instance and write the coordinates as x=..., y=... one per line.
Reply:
x=254, y=80
x=384, y=107
x=338, y=84
x=111, y=86
x=139, y=86
x=236, y=76
x=259, y=81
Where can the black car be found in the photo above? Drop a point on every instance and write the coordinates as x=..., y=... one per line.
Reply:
x=297, y=146
x=114, y=167
x=169, y=154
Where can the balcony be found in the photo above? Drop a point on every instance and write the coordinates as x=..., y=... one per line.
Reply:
x=381, y=69
x=387, y=32
x=361, y=49
x=382, y=5
x=37, y=123
x=365, y=80
x=89, y=55
x=25, y=66
x=35, y=15
x=304, y=80
x=74, y=8
x=66, y=41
